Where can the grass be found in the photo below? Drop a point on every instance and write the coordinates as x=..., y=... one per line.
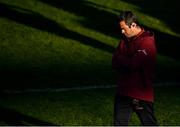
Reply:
x=65, y=43
x=80, y=108
x=54, y=43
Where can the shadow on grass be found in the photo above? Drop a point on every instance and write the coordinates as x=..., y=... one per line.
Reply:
x=167, y=45
x=28, y=77
x=97, y=19
x=38, y=21
x=105, y=22
x=11, y=117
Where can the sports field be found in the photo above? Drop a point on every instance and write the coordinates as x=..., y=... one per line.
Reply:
x=69, y=43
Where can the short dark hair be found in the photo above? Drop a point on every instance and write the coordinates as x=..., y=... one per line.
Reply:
x=129, y=17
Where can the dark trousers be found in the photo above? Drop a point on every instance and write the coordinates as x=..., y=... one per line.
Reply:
x=125, y=106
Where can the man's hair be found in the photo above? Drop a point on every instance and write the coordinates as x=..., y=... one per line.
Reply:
x=129, y=17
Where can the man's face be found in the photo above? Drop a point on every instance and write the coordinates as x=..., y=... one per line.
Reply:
x=126, y=30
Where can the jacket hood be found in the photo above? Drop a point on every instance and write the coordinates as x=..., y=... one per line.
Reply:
x=148, y=34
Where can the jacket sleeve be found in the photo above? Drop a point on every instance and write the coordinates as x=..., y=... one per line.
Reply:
x=115, y=58
x=145, y=53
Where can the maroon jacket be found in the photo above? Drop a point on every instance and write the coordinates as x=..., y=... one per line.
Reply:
x=134, y=59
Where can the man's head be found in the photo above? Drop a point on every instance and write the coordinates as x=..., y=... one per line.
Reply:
x=128, y=24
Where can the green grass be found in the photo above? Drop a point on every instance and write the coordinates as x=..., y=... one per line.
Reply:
x=54, y=43
x=89, y=107
x=65, y=43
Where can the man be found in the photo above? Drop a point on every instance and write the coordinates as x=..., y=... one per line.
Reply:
x=134, y=59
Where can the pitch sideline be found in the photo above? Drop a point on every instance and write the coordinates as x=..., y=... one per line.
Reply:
x=77, y=88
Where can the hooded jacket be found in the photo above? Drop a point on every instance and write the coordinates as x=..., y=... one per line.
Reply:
x=134, y=59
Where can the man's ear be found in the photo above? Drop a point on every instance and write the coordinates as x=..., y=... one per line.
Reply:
x=133, y=24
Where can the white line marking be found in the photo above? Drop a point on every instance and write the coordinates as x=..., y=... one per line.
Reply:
x=57, y=89
x=77, y=88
